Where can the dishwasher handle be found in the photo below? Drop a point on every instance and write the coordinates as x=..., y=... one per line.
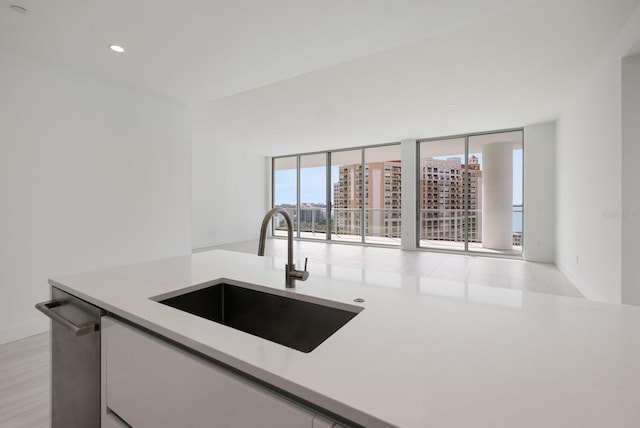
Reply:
x=77, y=330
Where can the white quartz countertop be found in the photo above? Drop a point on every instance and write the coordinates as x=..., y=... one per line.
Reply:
x=423, y=352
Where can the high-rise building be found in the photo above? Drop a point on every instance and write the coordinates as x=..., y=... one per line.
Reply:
x=379, y=189
x=442, y=202
x=442, y=199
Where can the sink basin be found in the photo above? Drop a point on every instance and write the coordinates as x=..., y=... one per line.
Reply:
x=298, y=324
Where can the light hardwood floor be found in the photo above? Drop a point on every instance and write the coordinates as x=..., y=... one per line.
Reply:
x=24, y=364
x=24, y=383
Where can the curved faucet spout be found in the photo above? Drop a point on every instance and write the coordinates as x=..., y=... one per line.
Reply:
x=263, y=232
x=291, y=274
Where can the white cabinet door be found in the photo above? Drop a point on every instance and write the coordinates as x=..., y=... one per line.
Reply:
x=150, y=383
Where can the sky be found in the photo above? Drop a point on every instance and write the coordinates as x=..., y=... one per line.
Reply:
x=313, y=182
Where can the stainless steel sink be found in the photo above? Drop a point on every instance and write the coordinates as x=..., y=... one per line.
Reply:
x=298, y=324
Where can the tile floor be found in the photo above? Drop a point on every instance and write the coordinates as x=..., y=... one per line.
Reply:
x=505, y=273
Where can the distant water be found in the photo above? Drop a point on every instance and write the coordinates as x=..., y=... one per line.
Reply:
x=517, y=219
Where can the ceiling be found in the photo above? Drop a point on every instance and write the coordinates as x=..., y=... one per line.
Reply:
x=287, y=76
x=503, y=72
x=194, y=51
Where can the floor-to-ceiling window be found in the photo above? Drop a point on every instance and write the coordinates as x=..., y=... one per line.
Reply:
x=382, y=194
x=346, y=195
x=362, y=187
x=470, y=193
x=442, y=223
x=285, y=192
x=314, y=217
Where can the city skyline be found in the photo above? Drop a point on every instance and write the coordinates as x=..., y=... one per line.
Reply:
x=313, y=182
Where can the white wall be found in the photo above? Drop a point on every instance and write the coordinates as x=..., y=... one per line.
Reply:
x=539, y=192
x=230, y=185
x=630, y=214
x=588, y=173
x=91, y=175
x=588, y=163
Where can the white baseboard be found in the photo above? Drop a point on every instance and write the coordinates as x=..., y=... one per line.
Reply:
x=20, y=331
x=527, y=257
x=582, y=287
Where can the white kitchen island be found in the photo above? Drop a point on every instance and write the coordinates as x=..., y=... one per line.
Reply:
x=422, y=353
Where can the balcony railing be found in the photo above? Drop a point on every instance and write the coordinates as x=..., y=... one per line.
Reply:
x=437, y=228
x=344, y=223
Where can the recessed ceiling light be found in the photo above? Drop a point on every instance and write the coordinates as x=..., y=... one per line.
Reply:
x=116, y=48
x=19, y=9
x=452, y=105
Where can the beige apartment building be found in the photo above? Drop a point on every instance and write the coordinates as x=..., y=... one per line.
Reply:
x=382, y=187
x=442, y=199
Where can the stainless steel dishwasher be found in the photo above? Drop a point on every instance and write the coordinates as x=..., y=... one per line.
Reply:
x=75, y=360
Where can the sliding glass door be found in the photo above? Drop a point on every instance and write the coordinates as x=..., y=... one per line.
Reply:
x=470, y=193
x=313, y=196
x=496, y=202
x=442, y=170
x=351, y=195
x=285, y=192
x=382, y=195
x=346, y=196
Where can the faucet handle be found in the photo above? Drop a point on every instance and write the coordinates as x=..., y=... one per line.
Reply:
x=304, y=273
x=300, y=275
